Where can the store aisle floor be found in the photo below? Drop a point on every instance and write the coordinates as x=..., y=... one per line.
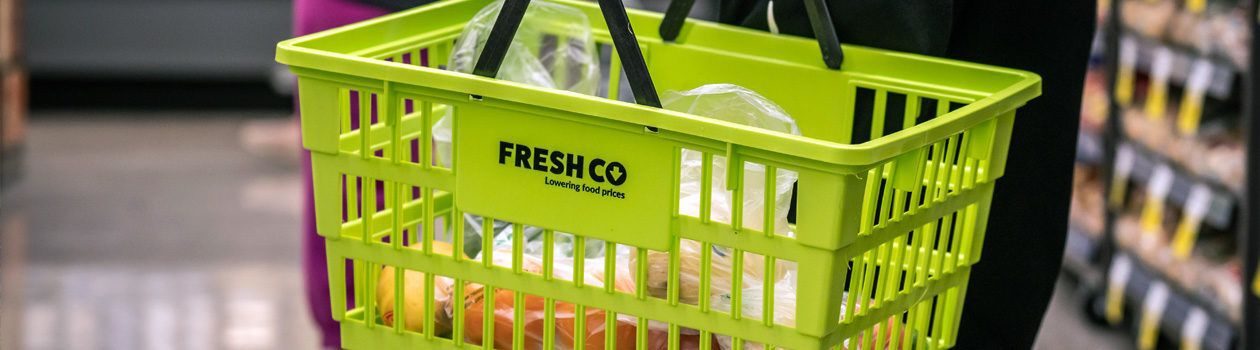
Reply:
x=151, y=231
x=179, y=231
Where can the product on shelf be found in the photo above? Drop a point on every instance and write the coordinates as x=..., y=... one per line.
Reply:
x=1212, y=272
x=1193, y=30
x=1094, y=102
x=1087, y=201
x=1149, y=18
x=1215, y=156
x=1232, y=34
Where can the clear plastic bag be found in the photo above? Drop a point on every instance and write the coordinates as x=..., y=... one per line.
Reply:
x=785, y=315
x=741, y=106
x=553, y=48
x=784, y=309
x=720, y=270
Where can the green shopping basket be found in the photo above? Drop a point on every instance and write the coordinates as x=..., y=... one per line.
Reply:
x=896, y=168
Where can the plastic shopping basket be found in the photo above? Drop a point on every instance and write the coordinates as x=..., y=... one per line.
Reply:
x=896, y=166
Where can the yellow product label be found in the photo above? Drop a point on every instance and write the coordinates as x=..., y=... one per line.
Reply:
x=1124, y=85
x=1190, y=114
x=1148, y=331
x=1152, y=216
x=1115, y=305
x=1118, y=187
x=1156, y=100
x=1196, y=6
x=1183, y=239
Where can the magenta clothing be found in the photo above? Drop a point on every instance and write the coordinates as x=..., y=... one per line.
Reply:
x=311, y=16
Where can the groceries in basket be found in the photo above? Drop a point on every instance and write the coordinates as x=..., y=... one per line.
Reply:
x=414, y=307
x=566, y=60
x=735, y=104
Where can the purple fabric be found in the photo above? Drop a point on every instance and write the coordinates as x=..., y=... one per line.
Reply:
x=312, y=16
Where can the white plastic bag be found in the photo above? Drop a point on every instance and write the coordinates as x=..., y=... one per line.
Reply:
x=741, y=106
x=720, y=270
x=553, y=48
x=784, y=309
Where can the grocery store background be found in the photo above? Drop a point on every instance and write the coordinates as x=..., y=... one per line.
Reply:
x=151, y=185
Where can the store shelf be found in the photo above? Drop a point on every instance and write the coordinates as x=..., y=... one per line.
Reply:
x=1219, y=334
x=1081, y=246
x=1222, y=82
x=1220, y=212
x=1081, y=253
x=1089, y=148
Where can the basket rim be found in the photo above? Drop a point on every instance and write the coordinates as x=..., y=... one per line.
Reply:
x=306, y=61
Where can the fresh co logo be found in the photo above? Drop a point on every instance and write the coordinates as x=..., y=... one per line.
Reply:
x=562, y=163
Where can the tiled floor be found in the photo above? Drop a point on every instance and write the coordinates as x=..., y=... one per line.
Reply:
x=179, y=231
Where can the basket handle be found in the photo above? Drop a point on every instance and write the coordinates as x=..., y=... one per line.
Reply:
x=819, y=18
x=614, y=11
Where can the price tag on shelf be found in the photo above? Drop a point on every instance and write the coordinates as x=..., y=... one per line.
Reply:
x=1192, y=99
x=1196, y=6
x=1196, y=208
x=1119, y=178
x=1152, y=311
x=1194, y=329
x=1117, y=278
x=1157, y=188
x=1157, y=90
x=1124, y=76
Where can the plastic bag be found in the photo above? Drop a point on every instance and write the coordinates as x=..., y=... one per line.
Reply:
x=741, y=106
x=720, y=270
x=553, y=48
x=502, y=234
x=784, y=309
x=785, y=315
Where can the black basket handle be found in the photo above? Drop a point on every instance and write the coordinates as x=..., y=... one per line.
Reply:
x=618, y=22
x=513, y=11
x=819, y=18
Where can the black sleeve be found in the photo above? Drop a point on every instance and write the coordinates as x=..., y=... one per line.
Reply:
x=919, y=26
x=1012, y=284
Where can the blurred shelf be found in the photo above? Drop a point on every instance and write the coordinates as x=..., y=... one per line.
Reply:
x=1223, y=73
x=1089, y=148
x=1220, y=212
x=1081, y=253
x=1146, y=134
x=1220, y=334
